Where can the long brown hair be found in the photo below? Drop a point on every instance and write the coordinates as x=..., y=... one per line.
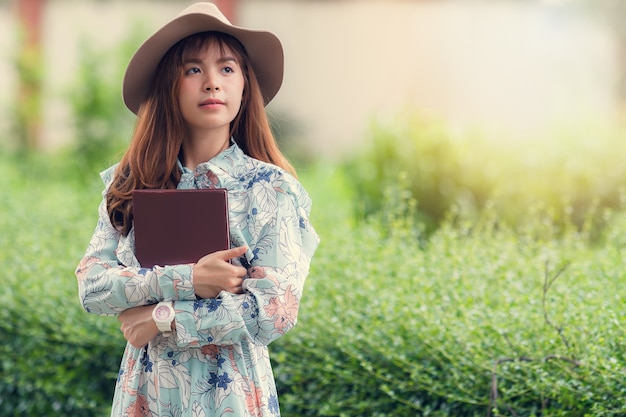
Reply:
x=150, y=162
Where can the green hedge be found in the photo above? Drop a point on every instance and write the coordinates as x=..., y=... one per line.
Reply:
x=393, y=323
x=390, y=327
x=56, y=360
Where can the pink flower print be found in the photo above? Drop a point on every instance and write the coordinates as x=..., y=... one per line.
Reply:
x=127, y=376
x=213, y=180
x=84, y=263
x=284, y=312
x=210, y=350
x=138, y=408
x=206, y=179
x=254, y=401
x=257, y=272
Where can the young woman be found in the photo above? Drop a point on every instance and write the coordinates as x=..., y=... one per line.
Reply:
x=198, y=333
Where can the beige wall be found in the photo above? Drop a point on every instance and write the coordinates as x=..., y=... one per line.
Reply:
x=504, y=65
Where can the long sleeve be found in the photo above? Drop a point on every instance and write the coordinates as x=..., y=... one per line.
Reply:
x=282, y=242
x=108, y=285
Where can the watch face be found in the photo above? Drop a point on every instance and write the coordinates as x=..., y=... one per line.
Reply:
x=162, y=313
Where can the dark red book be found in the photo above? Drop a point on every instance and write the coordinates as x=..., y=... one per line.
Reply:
x=175, y=227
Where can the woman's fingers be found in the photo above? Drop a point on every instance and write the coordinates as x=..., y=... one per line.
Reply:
x=229, y=254
x=213, y=273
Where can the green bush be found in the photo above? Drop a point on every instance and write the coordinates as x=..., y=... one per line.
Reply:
x=568, y=174
x=396, y=325
x=56, y=359
x=393, y=322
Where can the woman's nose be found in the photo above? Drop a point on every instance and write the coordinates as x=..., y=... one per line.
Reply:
x=211, y=83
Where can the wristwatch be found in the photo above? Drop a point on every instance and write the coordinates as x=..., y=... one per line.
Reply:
x=163, y=316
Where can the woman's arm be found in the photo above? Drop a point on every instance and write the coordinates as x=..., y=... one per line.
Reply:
x=269, y=305
x=107, y=286
x=215, y=274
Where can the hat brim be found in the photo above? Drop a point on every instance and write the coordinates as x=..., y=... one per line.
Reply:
x=264, y=51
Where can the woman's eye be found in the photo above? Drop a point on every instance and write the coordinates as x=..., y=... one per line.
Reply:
x=228, y=69
x=193, y=70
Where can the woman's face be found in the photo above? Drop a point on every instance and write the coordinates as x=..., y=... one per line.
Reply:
x=211, y=90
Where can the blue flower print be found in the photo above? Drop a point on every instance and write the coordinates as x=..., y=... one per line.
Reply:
x=261, y=175
x=145, y=361
x=224, y=380
x=172, y=355
x=273, y=404
x=211, y=304
x=219, y=381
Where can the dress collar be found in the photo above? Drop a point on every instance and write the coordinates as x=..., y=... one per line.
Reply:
x=223, y=164
x=225, y=160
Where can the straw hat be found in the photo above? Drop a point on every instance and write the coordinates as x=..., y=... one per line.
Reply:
x=264, y=51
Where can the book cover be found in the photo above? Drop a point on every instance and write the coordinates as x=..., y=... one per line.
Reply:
x=175, y=227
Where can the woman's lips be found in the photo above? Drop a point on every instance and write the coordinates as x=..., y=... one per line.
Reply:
x=211, y=102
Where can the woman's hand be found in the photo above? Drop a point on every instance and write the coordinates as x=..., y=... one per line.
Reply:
x=214, y=274
x=138, y=326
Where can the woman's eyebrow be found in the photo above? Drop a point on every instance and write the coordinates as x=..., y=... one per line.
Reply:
x=226, y=58
x=221, y=60
x=192, y=61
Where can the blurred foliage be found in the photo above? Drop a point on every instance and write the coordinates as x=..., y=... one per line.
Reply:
x=287, y=130
x=26, y=121
x=474, y=320
x=572, y=174
x=103, y=125
x=56, y=359
x=478, y=321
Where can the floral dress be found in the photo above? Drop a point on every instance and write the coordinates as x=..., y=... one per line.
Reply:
x=216, y=363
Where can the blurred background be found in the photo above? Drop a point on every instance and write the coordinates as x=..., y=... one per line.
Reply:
x=513, y=67
x=461, y=155
x=467, y=97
